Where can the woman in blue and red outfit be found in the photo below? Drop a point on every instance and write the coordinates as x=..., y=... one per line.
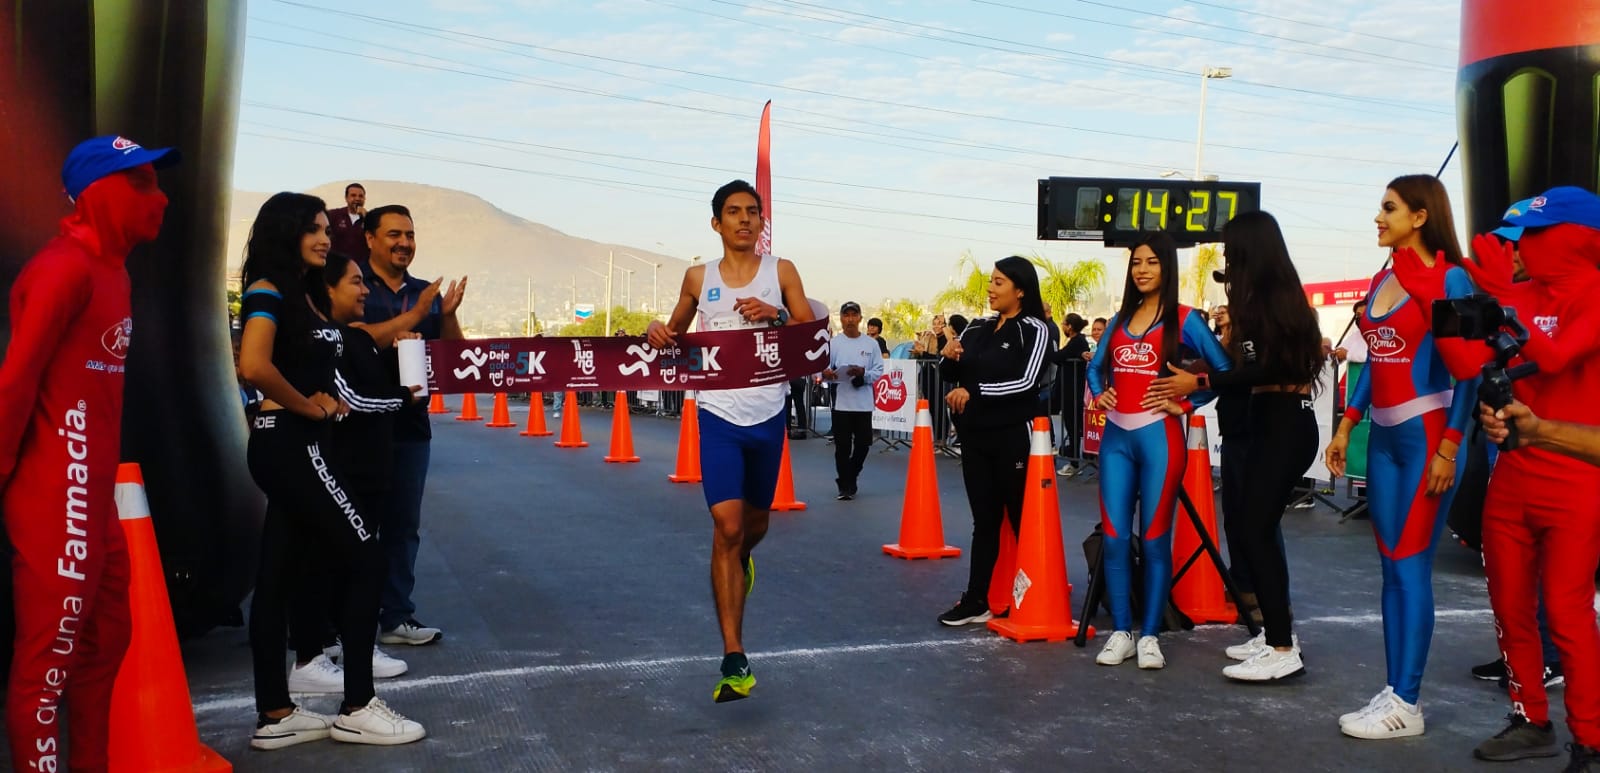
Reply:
x=1143, y=455
x=1538, y=536
x=1418, y=415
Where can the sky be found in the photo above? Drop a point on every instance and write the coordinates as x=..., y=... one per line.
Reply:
x=905, y=133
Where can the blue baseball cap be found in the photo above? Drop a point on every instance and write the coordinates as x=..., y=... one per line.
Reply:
x=1566, y=204
x=1512, y=233
x=101, y=156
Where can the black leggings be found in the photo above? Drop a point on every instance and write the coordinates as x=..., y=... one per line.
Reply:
x=1283, y=442
x=307, y=505
x=994, y=465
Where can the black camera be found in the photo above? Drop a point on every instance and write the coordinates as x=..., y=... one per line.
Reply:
x=1475, y=317
x=1480, y=317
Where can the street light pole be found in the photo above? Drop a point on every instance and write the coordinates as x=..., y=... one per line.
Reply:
x=655, y=285
x=611, y=268
x=1206, y=74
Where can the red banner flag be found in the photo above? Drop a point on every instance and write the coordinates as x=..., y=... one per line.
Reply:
x=764, y=179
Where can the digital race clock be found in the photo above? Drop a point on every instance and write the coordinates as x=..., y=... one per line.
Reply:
x=1117, y=211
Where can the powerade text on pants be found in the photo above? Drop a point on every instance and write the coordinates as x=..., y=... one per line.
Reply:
x=1414, y=405
x=1142, y=459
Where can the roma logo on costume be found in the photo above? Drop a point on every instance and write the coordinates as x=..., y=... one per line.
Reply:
x=1136, y=355
x=1385, y=342
x=117, y=338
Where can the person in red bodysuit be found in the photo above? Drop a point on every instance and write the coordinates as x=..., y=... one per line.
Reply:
x=60, y=443
x=1541, y=521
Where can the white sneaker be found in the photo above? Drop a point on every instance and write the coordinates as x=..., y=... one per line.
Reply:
x=386, y=666
x=1067, y=471
x=1378, y=702
x=1118, y=648
x=1254, y=647
x=334, y=651
x=1267, y=665
x=318, y=676
x=1393, y=719
x=1150, y=656
x=297, y=728
x=376, y=724
x=410, y=632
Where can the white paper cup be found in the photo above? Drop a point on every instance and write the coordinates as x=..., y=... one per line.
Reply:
x=413, y=364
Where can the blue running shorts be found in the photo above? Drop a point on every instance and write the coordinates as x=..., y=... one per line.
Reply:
x=739, y=462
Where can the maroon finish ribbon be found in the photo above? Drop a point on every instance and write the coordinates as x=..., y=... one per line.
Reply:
x=725, y=359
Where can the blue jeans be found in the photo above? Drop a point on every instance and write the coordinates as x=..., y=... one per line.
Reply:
x=401, y=514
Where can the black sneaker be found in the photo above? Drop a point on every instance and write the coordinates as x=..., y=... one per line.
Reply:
x=845, y=496
x=1585, y=759
x=1520, y=740
x=966, y=612
x=1553, y=676
x=737, y=681
x=1490, y=672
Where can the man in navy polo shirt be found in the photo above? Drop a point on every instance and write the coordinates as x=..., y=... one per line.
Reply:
x=392, y=244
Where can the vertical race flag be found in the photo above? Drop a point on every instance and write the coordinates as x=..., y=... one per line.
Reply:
x=764, y=179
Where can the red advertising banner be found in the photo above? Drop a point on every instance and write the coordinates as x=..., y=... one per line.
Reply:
x=1094, y=429
x=727, y=359
x=1341, y=293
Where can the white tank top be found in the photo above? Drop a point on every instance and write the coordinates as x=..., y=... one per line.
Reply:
x=752, y=405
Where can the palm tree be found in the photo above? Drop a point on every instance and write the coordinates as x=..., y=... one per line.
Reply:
x=968, y=292
x=1067, y=286
x=1197, y=280
x=902, y=318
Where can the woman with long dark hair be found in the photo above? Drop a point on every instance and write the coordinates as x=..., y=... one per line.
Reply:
x=1418, y=416
x=1143, y=454
x=1276, y=348
x=288, y=350
x=997, y=365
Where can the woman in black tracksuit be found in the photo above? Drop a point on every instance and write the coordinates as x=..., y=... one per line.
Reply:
x=289, y=349
x=998, y=366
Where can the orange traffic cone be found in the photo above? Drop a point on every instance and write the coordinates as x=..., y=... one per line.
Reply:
x=621, y=433
x=536, y=427
x=436, y=404
x=688, y=444
x=571, y=428
x=469, y=408
x=1005, y=568
x=921, y=526
x=1041, y=597
x=1200, y=594
x=151, y=682
x=502, y=412
x=783, y=499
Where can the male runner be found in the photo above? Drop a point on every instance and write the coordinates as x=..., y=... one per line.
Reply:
x=60, y=442
x=741, y=430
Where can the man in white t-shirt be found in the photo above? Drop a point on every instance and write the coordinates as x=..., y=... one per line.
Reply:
x=741, y=430
x=855, y=364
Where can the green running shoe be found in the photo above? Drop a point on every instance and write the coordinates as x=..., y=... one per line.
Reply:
x=737, y=681
x=749, y=574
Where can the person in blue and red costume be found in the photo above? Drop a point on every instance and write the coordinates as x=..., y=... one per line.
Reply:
x=1143, y=454
x=1418, y=416
x=1541, y=522
x=60, y=441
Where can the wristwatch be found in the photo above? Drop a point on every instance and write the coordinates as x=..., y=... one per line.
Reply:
x=1203, y=379
x=782, y=318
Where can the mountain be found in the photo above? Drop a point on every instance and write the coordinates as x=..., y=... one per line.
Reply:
x=461, y=234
